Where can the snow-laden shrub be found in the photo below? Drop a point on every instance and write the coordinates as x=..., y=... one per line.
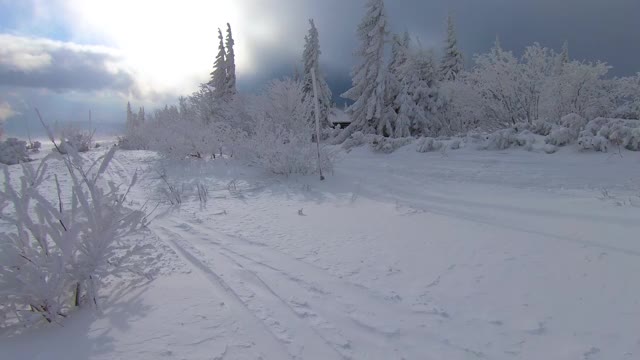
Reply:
x=59, y=249
x=574, y=122
x=619, y=132
x=134, y=139
x=455, y=144
x=542, y=127
x=522, y=126
x=377, y=143
x=356, y=139
x=429, y=144
x=330, y=133
x=500, y=140
x=634, y=142
x=76, y=139
x=34, y=147
x=561, y=136
x=568, y=133
x=597, y=143
x=283, y=142
x=526, y=139
x=387, y=145
x=13, y=151
x=283, y=152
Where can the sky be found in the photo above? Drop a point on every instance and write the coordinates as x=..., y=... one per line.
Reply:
x=69, y=57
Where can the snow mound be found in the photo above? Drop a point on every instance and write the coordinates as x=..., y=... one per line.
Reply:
x=428, y=144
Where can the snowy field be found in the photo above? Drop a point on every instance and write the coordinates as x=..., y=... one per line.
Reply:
x=446, y=255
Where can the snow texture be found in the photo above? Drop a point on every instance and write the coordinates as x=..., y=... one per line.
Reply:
x=499, y=257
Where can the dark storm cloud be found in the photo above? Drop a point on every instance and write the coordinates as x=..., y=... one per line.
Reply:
x=39, y=63
x=604, y=30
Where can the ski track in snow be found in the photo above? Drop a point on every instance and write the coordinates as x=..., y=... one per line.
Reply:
x=323, y=317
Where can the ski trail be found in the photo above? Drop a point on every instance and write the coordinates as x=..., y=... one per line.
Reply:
x=489, y=214
x=266, y=345
x=347, y=315
x=250, y=296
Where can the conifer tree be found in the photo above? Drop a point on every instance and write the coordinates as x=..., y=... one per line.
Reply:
x=219, y=74
x=130, y=117
x=311, y=62
x=452, y=62
x=395, y=79
x=140, y=119
x=368, y=77
x=564, y=56
x=230, y=63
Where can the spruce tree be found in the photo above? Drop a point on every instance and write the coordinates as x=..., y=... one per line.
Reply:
x=130, y=116
x=311, y=62
x=219, y=74
x=425, y=92
x=564, y=56
x=230, y=63
x=395, y=80
x=368, y=77
x=140, y=119
x=452, y=62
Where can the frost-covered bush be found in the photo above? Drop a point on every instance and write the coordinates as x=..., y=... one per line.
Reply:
x=506, y=138
x=428, y=144
x=618, y=132
x=574, y=122
x=525, y=138
x=597, y=143
x=500, y=140
x=134, y=140
x=13, y=151
x=356, y=139
x=282, y=141
x=34, y=147
x=387, y=145
x=561, y=136
x=542, y=127
x=522, y=126
x=59, y=249
x=377, y=143
x=76, y=139
x=568, y=133
x=284, y=152
x=455, y=144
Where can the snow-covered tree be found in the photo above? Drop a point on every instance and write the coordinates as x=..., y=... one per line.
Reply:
x=395, y=75
x=452, y=61
x=311, y=62
x=368, y=77
x=230, y=63
x=141, y=116
x=131, y=117
x=496, y=77
x=564, y=55
x=422, y=83
x=282, y=143
x=218, y=81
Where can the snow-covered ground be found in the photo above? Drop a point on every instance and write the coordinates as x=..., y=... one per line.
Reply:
x=447, y=255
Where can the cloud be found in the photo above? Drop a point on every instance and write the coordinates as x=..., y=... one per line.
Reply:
x=62, y=66
x=6, y=112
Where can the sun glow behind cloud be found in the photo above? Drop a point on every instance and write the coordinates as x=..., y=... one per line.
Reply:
x=169, y=45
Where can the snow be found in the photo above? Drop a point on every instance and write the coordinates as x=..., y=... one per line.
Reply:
x=462, y=254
